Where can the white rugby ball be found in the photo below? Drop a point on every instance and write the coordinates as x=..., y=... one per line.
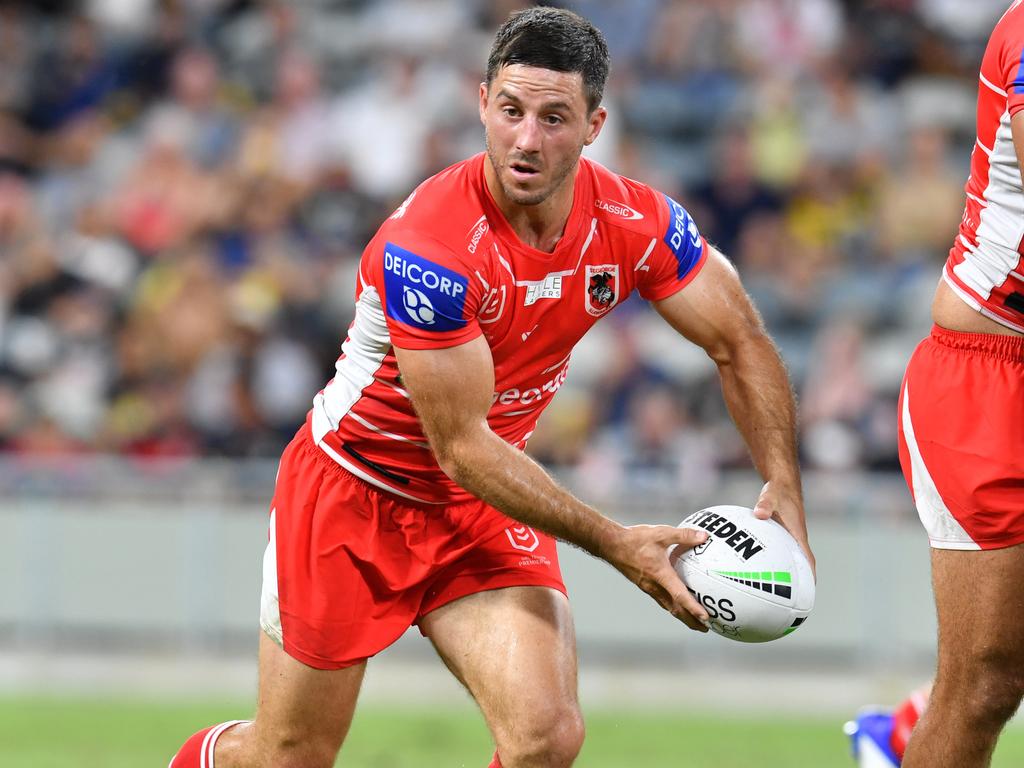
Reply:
x=750, y=575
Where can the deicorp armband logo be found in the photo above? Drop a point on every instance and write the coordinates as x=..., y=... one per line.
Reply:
x=682, y=237
x=421, y=293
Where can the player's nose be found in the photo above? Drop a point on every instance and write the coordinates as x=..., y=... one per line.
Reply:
x=528, y=136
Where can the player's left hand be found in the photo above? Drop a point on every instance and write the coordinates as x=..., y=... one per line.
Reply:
x=787, y=509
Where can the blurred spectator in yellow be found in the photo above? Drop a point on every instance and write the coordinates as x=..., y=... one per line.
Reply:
x=920, y=202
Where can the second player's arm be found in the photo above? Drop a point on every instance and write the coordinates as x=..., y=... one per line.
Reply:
x=715, y=312
x=451, y=390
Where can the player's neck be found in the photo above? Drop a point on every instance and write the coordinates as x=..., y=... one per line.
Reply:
x=538, y=226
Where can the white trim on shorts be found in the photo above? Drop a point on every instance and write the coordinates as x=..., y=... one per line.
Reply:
x=944, y=532
x=270, y=605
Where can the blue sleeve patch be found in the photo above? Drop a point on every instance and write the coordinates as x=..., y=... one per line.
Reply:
x=682, y=237
x=421, y=293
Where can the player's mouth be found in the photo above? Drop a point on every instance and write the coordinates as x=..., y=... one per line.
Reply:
x=523, y=171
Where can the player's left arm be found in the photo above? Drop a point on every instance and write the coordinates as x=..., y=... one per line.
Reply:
x=715, y=312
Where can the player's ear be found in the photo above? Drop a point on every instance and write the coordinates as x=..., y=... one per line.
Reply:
x=596, y=123
x=483, y=102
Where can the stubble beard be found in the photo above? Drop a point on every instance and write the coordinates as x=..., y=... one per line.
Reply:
x=531, y=198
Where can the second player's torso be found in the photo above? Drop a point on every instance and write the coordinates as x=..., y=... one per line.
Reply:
x=983, y=269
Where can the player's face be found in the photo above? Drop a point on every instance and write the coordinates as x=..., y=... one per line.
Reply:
x=536, y=123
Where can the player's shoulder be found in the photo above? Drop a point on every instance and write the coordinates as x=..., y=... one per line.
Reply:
x=627, y=203
x=651, y=214
x=445, y=211
x=1010, y=27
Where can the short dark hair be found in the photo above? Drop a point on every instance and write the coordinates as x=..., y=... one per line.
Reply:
x=553, y=38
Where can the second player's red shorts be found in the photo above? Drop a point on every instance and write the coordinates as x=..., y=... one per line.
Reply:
x=350, y=568
x=961, y=438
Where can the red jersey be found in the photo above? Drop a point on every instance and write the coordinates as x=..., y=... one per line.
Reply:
x=447, y=267
x=983, y=267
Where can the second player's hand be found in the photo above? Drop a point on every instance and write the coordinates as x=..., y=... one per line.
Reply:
x=787, y=510
x=641, y=554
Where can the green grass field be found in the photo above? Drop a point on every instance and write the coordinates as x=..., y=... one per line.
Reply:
x=61, y=733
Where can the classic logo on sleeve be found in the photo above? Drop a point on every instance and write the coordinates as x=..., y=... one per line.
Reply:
x=619, y=209
x=421, y=293
x=682, y=237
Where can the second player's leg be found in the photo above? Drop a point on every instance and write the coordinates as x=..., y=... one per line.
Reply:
x=302, y=715
x=515, y=650
x=980, y=678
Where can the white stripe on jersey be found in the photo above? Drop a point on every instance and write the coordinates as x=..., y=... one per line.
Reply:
x=1013, y=5
x=385, y=433
x=641, y=265
x=586, y=244
x=363, y=354
x=395, y=387
x=356, y=470
x=546, y=278
x=976, y=305
x=984, y=149
x=504, y=263
x=1001, y=222
x=564, y=272
x=557, y=365
x=966, y=297
x=522, y=443
x=995, y=88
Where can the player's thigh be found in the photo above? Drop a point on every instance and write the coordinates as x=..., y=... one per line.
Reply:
x=981, y=614
x=299, y=706
x=515, y=650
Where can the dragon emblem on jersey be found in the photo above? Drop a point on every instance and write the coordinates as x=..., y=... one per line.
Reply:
x=602, y=287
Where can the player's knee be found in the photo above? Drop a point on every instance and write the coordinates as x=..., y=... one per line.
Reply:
x=995, y=698
x=988, y=695
x=551, y=739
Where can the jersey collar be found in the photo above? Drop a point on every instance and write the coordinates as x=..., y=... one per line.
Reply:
x=576, y=226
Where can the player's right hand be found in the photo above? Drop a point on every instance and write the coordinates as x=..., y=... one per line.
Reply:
x=642, y=556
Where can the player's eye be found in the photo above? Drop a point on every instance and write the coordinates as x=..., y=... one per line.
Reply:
x=510, y=111
x=553, y=119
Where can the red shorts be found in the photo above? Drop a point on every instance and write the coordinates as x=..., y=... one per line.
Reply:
x=349, y=568
x=961, y=438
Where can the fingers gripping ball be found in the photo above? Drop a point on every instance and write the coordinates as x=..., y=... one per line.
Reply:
x=750, y=575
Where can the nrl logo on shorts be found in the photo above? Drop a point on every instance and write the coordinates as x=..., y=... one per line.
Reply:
x=522, y=537
x=602, y=287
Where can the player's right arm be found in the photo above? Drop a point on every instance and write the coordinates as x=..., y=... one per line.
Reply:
x=451, y=390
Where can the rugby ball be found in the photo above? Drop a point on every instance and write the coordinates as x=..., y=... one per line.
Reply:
x=750, y=575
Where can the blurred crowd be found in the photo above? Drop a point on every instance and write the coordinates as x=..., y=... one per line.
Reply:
x=186, y=188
